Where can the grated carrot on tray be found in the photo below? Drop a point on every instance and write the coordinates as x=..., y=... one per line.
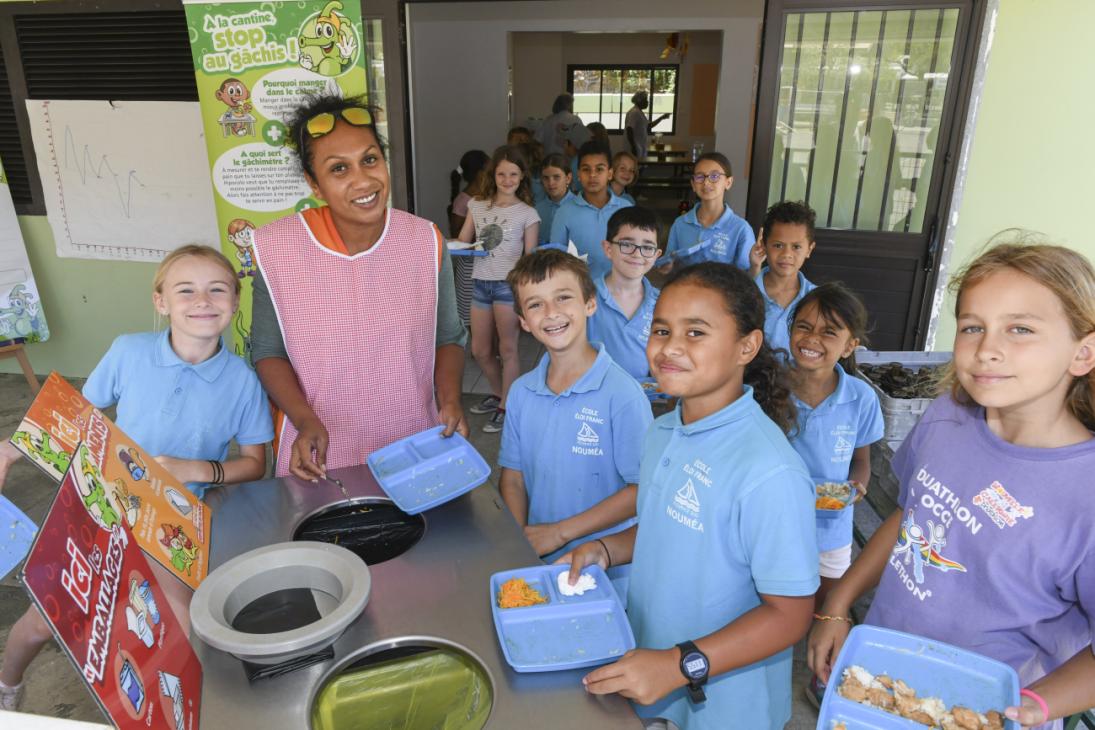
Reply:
x=517, y=593
x=828, y=503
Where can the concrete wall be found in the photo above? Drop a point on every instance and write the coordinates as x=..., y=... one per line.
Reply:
x=540, y=62
x=1030, y=162
x=460, y=76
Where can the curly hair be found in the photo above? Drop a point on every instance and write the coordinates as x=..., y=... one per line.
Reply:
x=787, y=211
x=312, y=106
x=766, y=374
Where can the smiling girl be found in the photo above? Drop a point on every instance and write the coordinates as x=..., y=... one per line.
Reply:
x=503, y=220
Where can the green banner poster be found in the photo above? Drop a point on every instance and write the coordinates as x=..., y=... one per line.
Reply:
x=254, y=61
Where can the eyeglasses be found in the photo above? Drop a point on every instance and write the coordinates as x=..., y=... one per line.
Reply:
x=714, y=177
x=627, y=247
x=324, y=122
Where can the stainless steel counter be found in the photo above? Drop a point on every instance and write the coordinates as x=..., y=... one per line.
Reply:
x=436, y=590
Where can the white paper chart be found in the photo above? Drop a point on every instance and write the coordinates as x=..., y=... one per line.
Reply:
x=123, y=180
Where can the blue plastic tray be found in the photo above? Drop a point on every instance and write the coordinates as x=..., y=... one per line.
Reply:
x=16, y=536
x=932, y=668
x=567, y=632
x=696, y=248
x=652, y=393
x=468, y=252
x=425, y=470
x=831, y=514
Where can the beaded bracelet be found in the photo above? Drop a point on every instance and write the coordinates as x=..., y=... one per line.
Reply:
x=821, y=617
x=608, y=555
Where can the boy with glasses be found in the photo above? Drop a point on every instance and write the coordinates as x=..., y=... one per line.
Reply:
x=625, y=299
x=711, y=231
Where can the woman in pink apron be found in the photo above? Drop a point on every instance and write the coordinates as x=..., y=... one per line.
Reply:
x=355, y=333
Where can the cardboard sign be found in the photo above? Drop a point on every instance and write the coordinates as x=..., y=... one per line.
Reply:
x=118, y=481
x=100, y=596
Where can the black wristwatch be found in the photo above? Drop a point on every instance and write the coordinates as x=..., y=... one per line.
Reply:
x=694, y=667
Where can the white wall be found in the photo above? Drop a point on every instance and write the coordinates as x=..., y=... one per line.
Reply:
x=540, y=61
x=459, y=73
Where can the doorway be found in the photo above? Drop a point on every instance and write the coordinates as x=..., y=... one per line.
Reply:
x=860, y=114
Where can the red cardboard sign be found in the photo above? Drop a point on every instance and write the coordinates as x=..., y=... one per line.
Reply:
x=98, y=592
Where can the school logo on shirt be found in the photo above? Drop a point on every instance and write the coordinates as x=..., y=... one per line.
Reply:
x=685, y=506
x=842, y=449
x=587, y=440
x=1002, y=508
x=720, y=244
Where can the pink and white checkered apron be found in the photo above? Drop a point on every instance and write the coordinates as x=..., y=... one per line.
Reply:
x=359, y=330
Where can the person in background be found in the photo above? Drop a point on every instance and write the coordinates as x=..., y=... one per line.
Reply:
x=503, y=219
x=625, y=170
x=470, y=172
x=599, y=134
x=518, y=136
x=583, y=219
x=534, y=157
x=555, y=182
x=554, y=129
x=786, y=241
x=724, y=558
x=637, y=126
x=625, y=298
x=990, y=547
x=726, y=235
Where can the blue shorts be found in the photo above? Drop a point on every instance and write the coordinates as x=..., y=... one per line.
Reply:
x=485, y=293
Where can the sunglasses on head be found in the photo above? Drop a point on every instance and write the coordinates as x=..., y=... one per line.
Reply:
x=324, y=122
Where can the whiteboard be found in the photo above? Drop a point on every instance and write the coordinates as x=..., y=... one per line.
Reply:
x=124, y=180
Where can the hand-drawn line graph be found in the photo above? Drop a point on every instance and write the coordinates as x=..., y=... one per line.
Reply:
x=123, y=180
x=82, y=162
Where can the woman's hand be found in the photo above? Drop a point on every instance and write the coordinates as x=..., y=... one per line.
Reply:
x=8, y=456
x=311, y=439
x=823, y=645
x=452, y=418
x=642, y=675
x=545, y=538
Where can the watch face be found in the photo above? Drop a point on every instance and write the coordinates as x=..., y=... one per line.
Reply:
x=695, y=665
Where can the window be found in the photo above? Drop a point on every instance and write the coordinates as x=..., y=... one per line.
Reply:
x=603, y=94
x=80, y=49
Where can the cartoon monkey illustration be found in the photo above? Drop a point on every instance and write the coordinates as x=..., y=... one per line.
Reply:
x=240, y=231
x=327, y=44
x=237, y=118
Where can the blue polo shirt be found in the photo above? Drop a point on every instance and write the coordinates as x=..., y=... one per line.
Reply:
x=576, y=448
x=172, y=408
x=730, y=239
x=625, y=339
x=849, y=418
x=726, y=512
x=777, y=319
x=547, y=208
x=586, y=225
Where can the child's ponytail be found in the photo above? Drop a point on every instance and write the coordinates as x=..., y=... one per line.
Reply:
x=766, y=374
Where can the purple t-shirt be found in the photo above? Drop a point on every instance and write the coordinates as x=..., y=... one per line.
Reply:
x=996, y=552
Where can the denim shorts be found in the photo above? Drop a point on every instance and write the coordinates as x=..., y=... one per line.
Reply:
x=485, y=293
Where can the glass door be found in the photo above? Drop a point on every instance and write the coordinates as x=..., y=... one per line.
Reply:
x=857, y=117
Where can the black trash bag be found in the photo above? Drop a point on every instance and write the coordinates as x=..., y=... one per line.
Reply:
x=375, y=532
x=278, y=611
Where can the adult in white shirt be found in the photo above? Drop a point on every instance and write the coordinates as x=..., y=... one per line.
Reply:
x=637, y=126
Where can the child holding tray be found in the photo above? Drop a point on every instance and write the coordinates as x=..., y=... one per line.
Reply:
x=182, y=395
x=991, y=547
x=724, y=558
x=570, y=446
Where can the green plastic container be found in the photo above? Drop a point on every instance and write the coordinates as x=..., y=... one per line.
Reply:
x=437, y=689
